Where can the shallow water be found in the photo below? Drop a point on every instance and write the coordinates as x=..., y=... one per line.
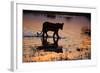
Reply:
x=37, y=49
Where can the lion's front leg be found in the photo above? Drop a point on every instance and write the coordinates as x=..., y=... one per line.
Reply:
x=57, y=34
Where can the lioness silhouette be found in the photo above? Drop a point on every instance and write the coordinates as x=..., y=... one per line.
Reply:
x=48, y=26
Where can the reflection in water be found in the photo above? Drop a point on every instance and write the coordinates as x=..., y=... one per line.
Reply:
x=39, y=49
x=48, y=46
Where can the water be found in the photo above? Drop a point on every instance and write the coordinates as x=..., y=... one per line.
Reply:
x=38, y=49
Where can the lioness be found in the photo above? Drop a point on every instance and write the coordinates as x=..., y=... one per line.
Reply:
x=48, y=26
